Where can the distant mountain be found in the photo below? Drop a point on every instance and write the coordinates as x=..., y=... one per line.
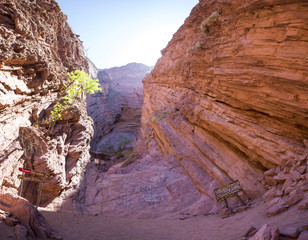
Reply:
x=116, y=111
x=130, y=75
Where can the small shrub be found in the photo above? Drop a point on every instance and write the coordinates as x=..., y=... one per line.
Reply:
x=119, y=154
x=123, y=143
x=132, y=157
x=159, y=117
x=78, y=83
x=208, y=22
x=163, y=115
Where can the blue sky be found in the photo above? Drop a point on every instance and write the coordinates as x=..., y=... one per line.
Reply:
x=117, y=32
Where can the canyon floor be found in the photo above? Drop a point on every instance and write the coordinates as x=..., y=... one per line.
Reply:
x=74, y=227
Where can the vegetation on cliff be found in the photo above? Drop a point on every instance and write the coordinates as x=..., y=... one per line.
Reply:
x=78, y=83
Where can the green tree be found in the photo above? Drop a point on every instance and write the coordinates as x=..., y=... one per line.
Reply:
x=77, y=83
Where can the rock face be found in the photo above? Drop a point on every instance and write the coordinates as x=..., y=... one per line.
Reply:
x=117, y=110
x=30, y=223
x=37, y=48
x=228, y=98
x=146, y=188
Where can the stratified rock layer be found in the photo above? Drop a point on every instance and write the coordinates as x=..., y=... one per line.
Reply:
x=37, y=48
x=230, y=100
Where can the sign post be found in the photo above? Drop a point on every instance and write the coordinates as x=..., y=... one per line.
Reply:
x=35, y=176
x=228, y=190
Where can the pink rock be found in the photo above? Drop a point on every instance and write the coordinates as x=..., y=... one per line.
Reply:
x=270, y=194
x=273, y=202
x=287, y=184
x=303, y=205
x=266, y=233
x=251, y=231
x=303, y=235
x=295, y=175
x=242, y=208
x=275, y=233
x=291, y=232
x=288, y=190
x=271, y=181
x=21, y=232
x=294, y=199
x=276, y=209
x=290, y=163
x=279, y=193
x=280, y=177
x=295, y=192
x=302, y=169
x=225, y=212
x=270, y=172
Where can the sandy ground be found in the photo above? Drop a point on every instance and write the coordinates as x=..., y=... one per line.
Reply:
x=74, y=227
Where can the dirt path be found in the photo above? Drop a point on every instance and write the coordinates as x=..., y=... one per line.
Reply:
x=194, y=228
x=75, y=227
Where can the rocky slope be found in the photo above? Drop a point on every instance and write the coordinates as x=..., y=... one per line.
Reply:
x=37, y=48
x=228, y=98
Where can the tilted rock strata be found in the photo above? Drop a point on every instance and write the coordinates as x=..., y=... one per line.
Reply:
x=232, y=101
x=147, y=188
x=37, y=48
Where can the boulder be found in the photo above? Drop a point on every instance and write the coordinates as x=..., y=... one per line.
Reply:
x=266, y=232
x=276, y=209
x=291, y=232
x=303, y=236
x=303, y=205
x=225, y=212
x=294, y=199
x=30, y=218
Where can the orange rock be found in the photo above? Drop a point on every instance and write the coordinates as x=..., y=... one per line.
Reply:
x=241, y=95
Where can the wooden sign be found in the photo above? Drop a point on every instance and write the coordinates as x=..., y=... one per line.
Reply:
x=33, y=172
x=35, y=176
x=31, y=178
x=228, y=190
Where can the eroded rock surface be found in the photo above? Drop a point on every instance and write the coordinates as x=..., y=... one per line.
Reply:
x=28, y=221
x=148, y=187
x=37, y=48
x=229, y=101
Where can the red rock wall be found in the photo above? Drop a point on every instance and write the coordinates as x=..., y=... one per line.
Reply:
x=232, y=102
x=37, y=48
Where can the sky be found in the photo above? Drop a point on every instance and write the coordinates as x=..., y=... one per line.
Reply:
x=118, y=32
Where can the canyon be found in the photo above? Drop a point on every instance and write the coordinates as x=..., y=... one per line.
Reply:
x=226, y=101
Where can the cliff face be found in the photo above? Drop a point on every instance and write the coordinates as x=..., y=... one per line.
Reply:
x=229, y=100
x=37, y=48
x=116, y=111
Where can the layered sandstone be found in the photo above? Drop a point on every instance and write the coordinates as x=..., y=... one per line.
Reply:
x=37, y=48
x=229, y=100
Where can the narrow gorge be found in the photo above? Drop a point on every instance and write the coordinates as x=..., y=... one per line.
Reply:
x=227, y=101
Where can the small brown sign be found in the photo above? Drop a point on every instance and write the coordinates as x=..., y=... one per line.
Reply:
x=34, y=176
x=228, y=190
x=31, y=178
